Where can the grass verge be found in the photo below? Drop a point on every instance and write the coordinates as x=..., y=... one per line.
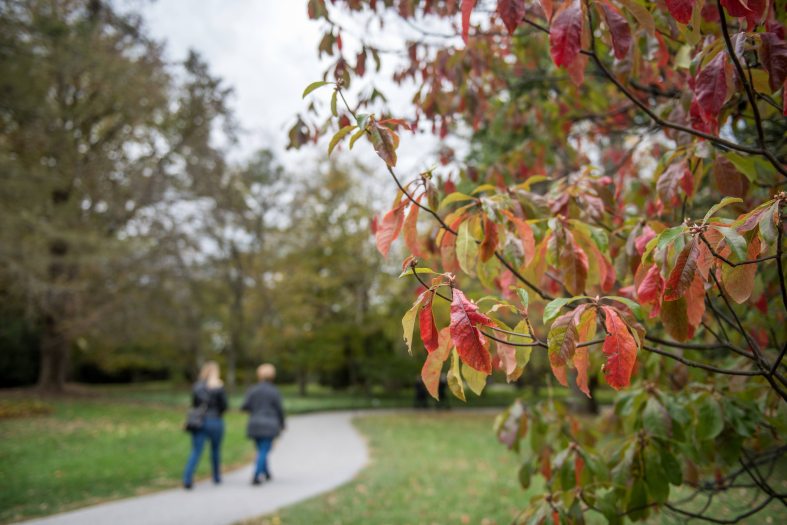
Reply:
x=431, y=468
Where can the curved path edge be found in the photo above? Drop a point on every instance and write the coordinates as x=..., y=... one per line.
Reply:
x=317, y=452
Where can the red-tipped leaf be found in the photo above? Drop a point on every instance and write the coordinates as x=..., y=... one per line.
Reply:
x=469, y=342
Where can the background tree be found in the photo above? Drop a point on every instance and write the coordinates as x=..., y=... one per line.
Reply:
x=622, y=205
x=91, y=144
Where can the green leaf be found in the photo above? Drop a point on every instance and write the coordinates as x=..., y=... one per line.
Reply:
x=637, y=501
x=767, y=224
x=524, y=297
x=735, y=241
x=726, y=201
x=552, y=309
x=334, y=110
x=633, y=305
x=339, y=136
x=709, y=419
x=466, y=249
x=669, y=235
x=454, y=197
x=418, y=269
x=525, y=473
x=475, y=380
x=314, y=85
x=671, y=467
x=754, y=168
x=655, y=478
x=656, y=419
x=363, y=120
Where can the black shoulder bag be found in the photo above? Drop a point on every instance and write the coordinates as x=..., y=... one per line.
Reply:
x=195, y=417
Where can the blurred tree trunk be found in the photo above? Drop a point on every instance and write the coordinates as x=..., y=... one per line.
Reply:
x=55, y=349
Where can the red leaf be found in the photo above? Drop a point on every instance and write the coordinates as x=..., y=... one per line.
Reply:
x=579, y=466
x=525, y=233
x=738, y=281
x=427, y=326
x=582, y=363
x=642, y=240
x=385, y=142
x=576, y=70
x=620, y=349
x=669, y=182
x=680, y=9
x=511, y=12
x=675, y=317
x=467, y=8
x=710, y=87
x=618, y=28
x=433, y=365
x=489, y=244
x=683, y=273
x=507, y=355
x=546, y=5
x=729, y=180
x=773, y=54
x=565, y=33
x=585, y=319
x=388, y=229
x=751, y=10
x=410, y=230
x=466, y=337
x=695, y=301
x=651, y=288
x=573, y=264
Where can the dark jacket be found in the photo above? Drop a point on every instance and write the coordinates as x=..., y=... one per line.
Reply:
x=266, y=415
x=215, y=398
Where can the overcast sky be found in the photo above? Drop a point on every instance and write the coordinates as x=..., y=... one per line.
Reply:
x=266, y=50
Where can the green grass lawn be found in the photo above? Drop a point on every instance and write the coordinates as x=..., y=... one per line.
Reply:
x=431, y=468
x=89, y=451
x=448, y=468
x=117, y=441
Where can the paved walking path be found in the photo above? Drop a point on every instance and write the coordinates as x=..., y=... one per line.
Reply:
x=317, y=452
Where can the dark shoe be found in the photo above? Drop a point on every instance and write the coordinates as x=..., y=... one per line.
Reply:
x=256, y=481
x=268, y=476
x=187, y=486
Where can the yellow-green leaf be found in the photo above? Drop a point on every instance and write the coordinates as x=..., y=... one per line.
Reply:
x=314, y=85
x=334, y=110
x=454, y=378
x=454, y=197
x=408, y=323
x=358, y=134
x=339, y=136
x=475, y=380
x=466, y=249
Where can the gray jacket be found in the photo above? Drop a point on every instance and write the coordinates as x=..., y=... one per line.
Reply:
x=266, y=415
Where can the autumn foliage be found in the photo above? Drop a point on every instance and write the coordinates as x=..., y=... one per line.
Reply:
x=620, y=209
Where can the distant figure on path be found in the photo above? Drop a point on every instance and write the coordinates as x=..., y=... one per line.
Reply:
x=266, y=418
x=209, y=394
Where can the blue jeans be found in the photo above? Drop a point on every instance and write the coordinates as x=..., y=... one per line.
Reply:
x=213, y=429
x=263, y=447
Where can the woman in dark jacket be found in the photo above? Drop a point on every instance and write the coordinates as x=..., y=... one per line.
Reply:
x=209, y=393
x=266, y=418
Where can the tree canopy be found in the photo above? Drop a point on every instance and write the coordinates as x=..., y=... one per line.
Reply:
x=619, y=210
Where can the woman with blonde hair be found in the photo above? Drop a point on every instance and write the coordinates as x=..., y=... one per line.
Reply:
x=266, y=418
x=209, y=397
